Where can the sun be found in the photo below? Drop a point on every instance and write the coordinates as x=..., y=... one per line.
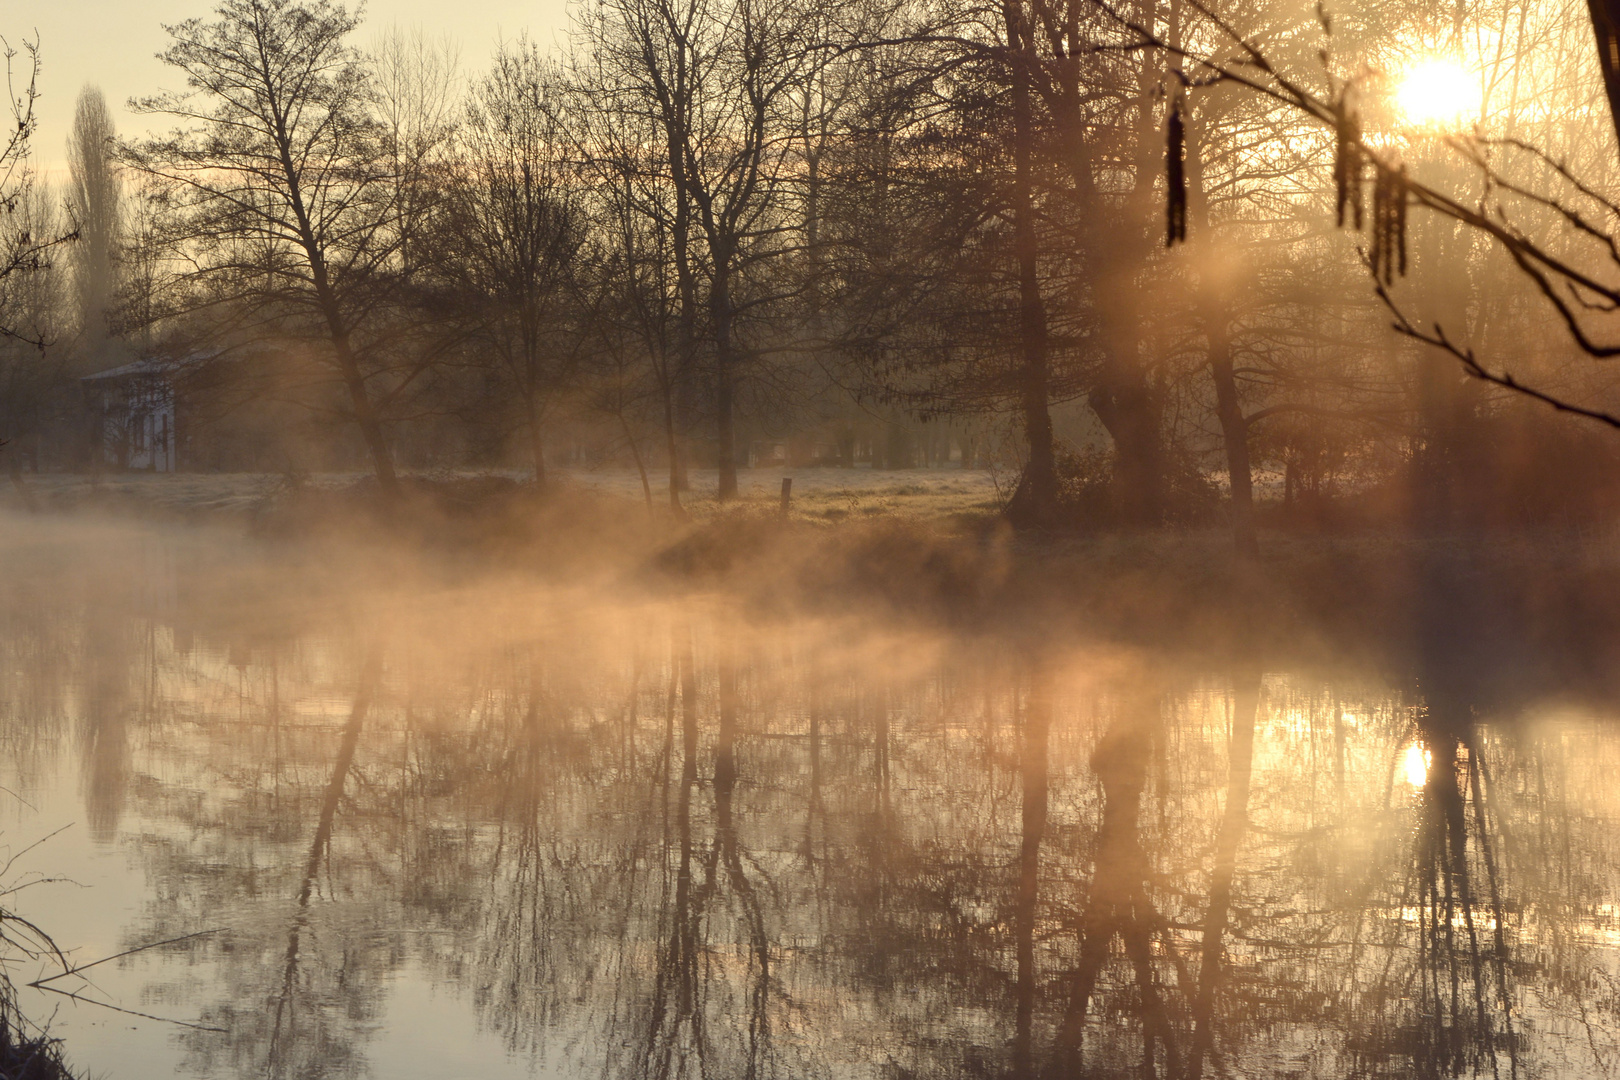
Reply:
x=1435, y=93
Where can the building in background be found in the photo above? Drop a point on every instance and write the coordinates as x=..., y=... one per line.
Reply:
x=132, y=417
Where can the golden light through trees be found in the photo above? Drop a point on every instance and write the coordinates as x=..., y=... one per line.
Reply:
x=1436, y=93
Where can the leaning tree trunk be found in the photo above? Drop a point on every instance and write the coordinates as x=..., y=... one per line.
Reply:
x=354, y=381
x=365, y=415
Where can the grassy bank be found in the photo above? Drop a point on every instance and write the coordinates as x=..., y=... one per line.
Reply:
x=828, y=495
x=25, y=1055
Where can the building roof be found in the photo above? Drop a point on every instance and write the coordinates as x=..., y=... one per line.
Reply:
x=139, y=367
x=151, y=366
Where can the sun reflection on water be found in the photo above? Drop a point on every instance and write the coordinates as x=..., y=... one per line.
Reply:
x=1415, y=765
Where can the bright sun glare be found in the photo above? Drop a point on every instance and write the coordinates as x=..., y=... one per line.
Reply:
x=1435, y=93
x=1416, y=765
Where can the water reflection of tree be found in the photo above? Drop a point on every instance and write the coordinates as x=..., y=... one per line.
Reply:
x=684, y=851
x=287, y=1043
x=711, y=934
x=672, y=1035
x=111, y=646
x=1119, y=904
x=307, y=982
x=527, y=877
x=1458, y=1015
x=1228, y=843
x=74, y=654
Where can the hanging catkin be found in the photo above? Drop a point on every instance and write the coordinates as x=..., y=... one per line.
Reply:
x=1400, y=217
x=1388, y=255
x=1387, y=220
x=1176, y=176
x=1375, y=254
x=1347, y=165
x=1387, y=244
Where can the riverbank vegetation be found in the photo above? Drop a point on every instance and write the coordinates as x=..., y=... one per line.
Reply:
x=706, y=237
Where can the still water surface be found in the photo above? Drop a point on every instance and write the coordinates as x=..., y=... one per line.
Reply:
x=438, y=827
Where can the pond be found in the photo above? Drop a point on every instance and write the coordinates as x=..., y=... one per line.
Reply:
x=321, y=814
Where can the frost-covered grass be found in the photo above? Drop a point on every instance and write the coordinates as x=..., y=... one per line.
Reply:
x=819, y=494
x=823, y=494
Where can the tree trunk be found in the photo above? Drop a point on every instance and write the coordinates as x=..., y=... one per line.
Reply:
x=635, y=453
x=537, y=444
x=1214, y=313
x=672, y=442
x=677, y=476
x=1125, y=405
x=365, y=416
x=1447, y=398
x=1235, y=431
x=1041, y=472
x=725, y=420
x=684, y=382
x=1124, y=399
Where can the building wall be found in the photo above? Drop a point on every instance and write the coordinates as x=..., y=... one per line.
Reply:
x=136, y=420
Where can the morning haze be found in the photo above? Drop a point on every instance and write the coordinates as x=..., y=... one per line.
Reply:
x=810, y=540
x=115, y=46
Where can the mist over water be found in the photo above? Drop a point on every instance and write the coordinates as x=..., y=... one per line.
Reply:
x=435, y=823
x=815, y=539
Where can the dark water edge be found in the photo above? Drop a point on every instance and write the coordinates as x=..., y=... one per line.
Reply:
x=1158, y=817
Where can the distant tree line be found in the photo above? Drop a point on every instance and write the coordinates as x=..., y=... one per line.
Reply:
x=877, y=230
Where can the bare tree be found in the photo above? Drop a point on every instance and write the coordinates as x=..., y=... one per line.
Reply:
x=650, y=267
x=33, y=375
x=23, y=250
x=514, y=217
x=29, y=298
x=713, y=79
x=418, y=88
x=283, y=188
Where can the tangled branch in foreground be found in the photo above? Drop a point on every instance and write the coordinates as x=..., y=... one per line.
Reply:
x=1577, y=296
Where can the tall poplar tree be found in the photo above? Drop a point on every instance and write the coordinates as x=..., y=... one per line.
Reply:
x=94, y=190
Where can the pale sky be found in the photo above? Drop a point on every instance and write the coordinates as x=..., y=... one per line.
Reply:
x=113, y=43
